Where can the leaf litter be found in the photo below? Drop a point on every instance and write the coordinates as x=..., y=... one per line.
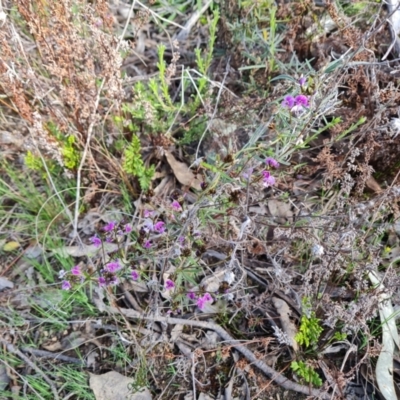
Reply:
x=298, y=242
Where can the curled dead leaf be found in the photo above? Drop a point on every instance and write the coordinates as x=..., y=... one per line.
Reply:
x=182, y=172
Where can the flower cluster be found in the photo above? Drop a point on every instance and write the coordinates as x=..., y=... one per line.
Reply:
x=110, y=232
x=268, y=179
x=296, y=104
x=201, y=301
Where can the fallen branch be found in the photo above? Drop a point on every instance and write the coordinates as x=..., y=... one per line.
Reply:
x=268, y=371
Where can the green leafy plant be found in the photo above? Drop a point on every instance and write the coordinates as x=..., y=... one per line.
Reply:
x=306, y=372
x=310, y=328
x=70, y=153
x=133, y=164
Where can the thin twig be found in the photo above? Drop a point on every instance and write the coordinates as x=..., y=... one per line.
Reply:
x=53, y=356
x=228, y=339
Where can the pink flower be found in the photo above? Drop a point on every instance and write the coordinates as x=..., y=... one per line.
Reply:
x=110, y=226
x=301, y=100
x=288, y=101
x=76, y=270
x=96, y=241
x=147, y=244
x=102, y=281
x=169, y=284
x=206, y=298
x=272, y=162
x=135, y=275
x=66, y=285
x=148, y=213
x=128, y=228
x=191, y=295
x=268, y=179
x=176, y=206
x=113, y=266
x=159, y=227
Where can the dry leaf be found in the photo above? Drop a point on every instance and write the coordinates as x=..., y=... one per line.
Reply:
x=182, y=172
x=5, y=283
x=287, y=325
x=114, y=386
x=11, y=246
x=281, y=210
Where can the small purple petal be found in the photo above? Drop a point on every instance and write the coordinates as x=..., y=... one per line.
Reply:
x=76, y=270
x=302, y=81
x=176, y=206
x=200, y=303
x=96, y=241
x=147, y=244
x=207, y=297
x=288, y=101
x=272, y=162
x=128, y=228
x=159, y=227
x=268, y=179
x=191, y=295
x=110, y=226
x=66, y=285
x=301, y=100
x=102, y=281
x=113, y=266
x=135, y=275
x=169, y=284
x=148, y=213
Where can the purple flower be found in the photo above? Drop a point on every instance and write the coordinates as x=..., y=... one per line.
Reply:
x=113, y=266
x=128, y=228
x=159, y=227
x=301, y=100
x=288, y=101
x=181, y=240
x=147, y=244
x=268, y=179
x=102, y=281
x=302, y=81
x=76, y=270
x=148, y=213
x=96, y=241
x=191, y=295
x=207, y=297
x=272, y=162
x=66, y=285
x=176, y=206
x=201, y=301
x=109, y=239
x=110, y=226
x=135, y=275
x=169, y=284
